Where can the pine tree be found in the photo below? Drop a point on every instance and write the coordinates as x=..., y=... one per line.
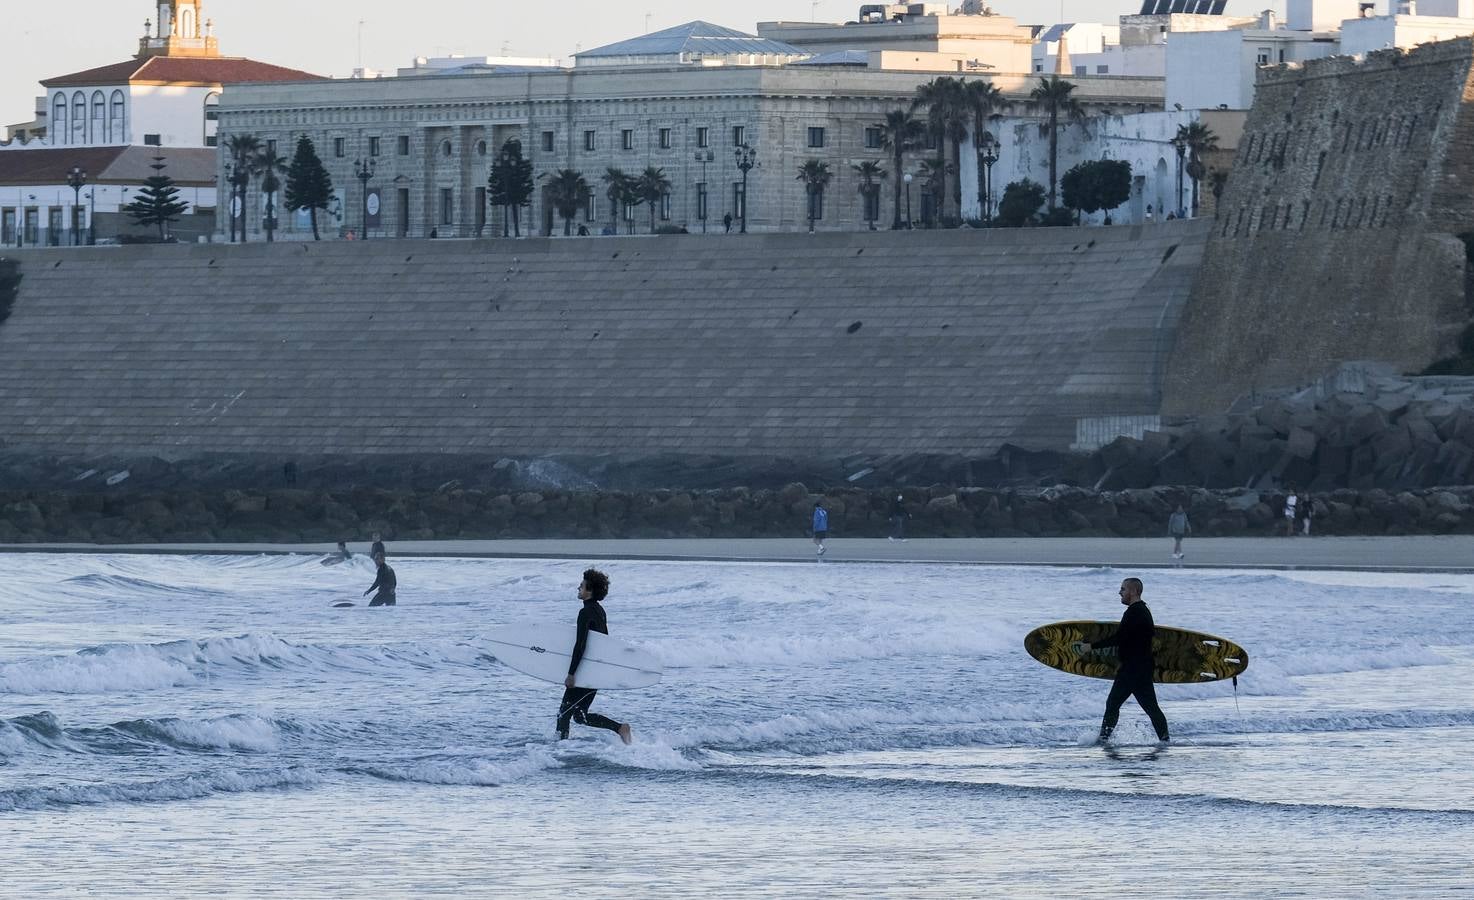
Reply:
x=510, y=182
x=158, y=203
x=309, y=186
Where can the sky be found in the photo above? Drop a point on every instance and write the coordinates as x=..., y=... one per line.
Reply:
x=44, y=40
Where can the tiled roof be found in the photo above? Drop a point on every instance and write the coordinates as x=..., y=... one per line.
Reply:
x=700, y=38
x=182, y=69
x=106, y=165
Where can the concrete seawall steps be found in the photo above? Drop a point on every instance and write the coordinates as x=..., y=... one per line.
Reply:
x=798, y=345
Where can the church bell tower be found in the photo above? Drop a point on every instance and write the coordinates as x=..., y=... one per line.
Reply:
x=181, y=30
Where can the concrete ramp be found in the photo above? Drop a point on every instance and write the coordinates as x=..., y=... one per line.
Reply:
x=790, y=345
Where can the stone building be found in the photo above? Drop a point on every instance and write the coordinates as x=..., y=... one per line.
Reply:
x=430, y=141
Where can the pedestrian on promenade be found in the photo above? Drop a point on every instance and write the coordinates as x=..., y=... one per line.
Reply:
x=1178, y=527
x=820, y=526
x=898, y=518
x=1307, y=511
x=727, y=222
x=1290, y=514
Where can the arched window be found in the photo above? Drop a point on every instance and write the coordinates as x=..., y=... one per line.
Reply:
x=79, y=118
x=186, y=23
x=59, y=118
x=97, y=127
x=116, y=125
x=212, y=117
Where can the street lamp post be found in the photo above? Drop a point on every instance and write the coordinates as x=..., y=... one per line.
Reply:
x=746, y=159
x=704, y=157
x=76, y=180
x=363, y=170
x=1181, y=146
x=907, y=178
x=92, y=217
x=989, y=155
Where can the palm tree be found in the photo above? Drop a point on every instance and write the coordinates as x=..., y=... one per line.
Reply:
x=1198, y=139
x=1053, y=96
x=617, y=187
x=870, y=174
x=816, y=176
x=271, y=168
x=898, y=135
x=985, y=101
x=946, y=120
x=242, y=149
x=569, y=192
x=650, y=187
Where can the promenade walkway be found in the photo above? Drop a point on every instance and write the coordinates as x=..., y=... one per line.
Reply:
x=1454, y=553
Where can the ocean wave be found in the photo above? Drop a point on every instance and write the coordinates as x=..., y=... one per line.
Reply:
x=43, y=732
x=183, y=787
x=136, y=667
x=464, y=770
x=116, y=584
x=233, y=732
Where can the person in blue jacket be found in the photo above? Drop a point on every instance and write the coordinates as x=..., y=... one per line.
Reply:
x=821, y=526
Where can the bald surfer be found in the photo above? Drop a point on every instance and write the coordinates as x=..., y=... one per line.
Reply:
x=1133, y=643
x=576, y=700
x=385, y=583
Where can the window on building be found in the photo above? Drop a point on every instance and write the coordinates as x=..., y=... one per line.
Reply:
x=665, y=138
x=739, y=201
x=212, y=107
x=627, y=139
x=480, y=209
x=1262, y=56
x=629, y=212
x=1038, y=67
x=340, y=147
x=1081, y=70
x=212, y=140
x=588, y=140
x=929, y=140
x=816, y=205
x=547, y=142
x=446, y=150
x=373, y=146
x=79, y=118
x=59, y=118
x=480, y=148
x=872, y=204
x=739, y=135
x=816, y=137
x=665, y=207
x=1102, y=70
x=701, y=201
x=1282, y=54
x=873, y=137
x=271, y=145
x=153, y=140
x=447, y=206
x=117, y=134
x=97, y=127
x=703, y=136
x=402, y=145
x=591, y=208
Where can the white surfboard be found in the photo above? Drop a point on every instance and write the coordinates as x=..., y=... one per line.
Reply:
x=544, y=651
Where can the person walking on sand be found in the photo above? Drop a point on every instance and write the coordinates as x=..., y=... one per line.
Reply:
x=898, y=518
x=820, y=526
x=577, y=700
x=1133, y=643
x=1178, y=527
x=385, y=583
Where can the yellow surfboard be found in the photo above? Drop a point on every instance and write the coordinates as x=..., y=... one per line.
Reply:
x=1181, y=656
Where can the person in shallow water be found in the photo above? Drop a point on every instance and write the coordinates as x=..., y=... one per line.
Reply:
x=385, y=583
x=577, y=700
x=1133, y=643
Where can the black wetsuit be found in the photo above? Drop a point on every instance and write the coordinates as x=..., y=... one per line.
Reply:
x=1133, y=643
x=386, y=583
x=577, y=700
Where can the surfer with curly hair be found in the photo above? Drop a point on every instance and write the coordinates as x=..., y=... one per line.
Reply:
x=576, y=700
x=1133, y=643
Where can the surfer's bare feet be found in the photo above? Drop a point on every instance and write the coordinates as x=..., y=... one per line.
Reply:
x=626, y=735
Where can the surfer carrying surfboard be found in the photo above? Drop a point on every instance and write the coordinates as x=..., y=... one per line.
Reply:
x=1133, y=643
x=576, y=700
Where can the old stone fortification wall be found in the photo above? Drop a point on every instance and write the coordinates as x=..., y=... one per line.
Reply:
x=1337, y=236
x=800, y=346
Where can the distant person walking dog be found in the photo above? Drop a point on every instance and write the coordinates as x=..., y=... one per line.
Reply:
x=820, y=526
x=1178, y=527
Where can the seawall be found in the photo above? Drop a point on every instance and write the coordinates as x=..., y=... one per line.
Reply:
x=799, y=346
